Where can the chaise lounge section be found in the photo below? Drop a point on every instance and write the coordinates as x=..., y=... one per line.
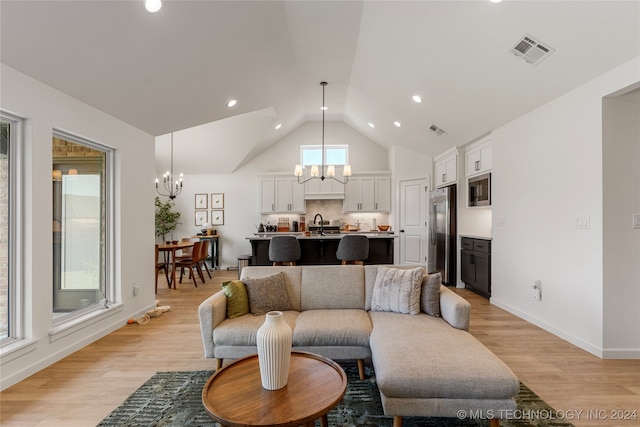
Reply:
x=425, y=365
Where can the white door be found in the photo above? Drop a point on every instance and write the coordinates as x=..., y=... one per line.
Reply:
x=413, y=222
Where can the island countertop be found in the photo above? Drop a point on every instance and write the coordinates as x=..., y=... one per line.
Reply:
x=317, y=249
x=331, y=236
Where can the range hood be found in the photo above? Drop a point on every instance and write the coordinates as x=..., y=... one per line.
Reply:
x=323, y=190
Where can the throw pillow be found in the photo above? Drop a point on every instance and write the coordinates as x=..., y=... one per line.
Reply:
x=431, y=294
x=267, y=294
x=397, y=290
x=237, y=301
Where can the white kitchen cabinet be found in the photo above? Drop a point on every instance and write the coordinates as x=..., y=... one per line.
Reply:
x=446, y=168
x=281, y=194
x=367, y=194
x=267, y=195
x=383, y=194
x=289, y=195
x=478, y=158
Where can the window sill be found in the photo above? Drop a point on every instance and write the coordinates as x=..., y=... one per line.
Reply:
x=79, y=323
x=16, y=349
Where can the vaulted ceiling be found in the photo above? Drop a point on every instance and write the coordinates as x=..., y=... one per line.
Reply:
x=177, y=68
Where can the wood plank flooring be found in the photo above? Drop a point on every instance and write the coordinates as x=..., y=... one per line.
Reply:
x=84, y=387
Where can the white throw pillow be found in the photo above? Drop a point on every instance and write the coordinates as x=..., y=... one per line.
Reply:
x=397, y=290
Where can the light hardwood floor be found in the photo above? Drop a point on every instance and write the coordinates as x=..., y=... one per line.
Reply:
x=84, y=387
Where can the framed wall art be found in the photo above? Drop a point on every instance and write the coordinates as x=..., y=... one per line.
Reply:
x=202, y=217
x=201, y=201
x=217, y=217
x=217, y=200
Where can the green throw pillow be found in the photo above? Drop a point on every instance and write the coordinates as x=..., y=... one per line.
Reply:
x=237, y=300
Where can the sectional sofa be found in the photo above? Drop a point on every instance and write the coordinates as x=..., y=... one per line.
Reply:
x=416, y=334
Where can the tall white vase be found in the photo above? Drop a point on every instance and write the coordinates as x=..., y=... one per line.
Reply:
x=274, y=351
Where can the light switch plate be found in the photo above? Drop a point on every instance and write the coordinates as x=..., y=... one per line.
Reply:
x=582, y=221
x=636, y=220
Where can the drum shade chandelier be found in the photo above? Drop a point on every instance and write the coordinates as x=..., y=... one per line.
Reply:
x=319, y=173
x=172, y=190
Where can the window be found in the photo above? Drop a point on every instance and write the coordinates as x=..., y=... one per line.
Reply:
x=9, y=228
x=81, y=228
x=334, y=155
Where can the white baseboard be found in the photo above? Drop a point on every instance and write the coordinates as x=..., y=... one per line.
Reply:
x=596, y=351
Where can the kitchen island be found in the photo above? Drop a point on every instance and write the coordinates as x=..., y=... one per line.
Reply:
x=321, y=249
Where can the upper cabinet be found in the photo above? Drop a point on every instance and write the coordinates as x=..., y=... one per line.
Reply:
x=267, y=194
x=281, y=194
x=289, y=195
x=478, y=157
x=367, y=193
x=446, y=168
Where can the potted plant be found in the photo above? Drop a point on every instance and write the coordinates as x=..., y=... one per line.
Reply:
x=166, y=218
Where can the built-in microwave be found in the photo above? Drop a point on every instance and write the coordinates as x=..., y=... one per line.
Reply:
x=480, y=190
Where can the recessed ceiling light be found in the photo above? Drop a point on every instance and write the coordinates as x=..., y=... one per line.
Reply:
x=371, y=125
x=417, y=98
x=495, y=1
x=397, y=124
x=153, y=5
x=278, y=126
x=232, y=103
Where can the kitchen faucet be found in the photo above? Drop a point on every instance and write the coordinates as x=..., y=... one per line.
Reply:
x=321, y=223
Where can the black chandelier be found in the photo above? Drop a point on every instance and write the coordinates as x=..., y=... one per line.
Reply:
x=318, y=173
x=172, y=189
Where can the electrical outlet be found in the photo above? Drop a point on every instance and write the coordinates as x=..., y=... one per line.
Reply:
x=136, y=288
x=636, y=220
x=537, y=290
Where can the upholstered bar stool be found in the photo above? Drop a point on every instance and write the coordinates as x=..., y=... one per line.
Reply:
x=284, y=250
x=353, y=249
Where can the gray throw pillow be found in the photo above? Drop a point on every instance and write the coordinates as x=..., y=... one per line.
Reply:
x=397, y=290
x=431, y=294
x=267, y=294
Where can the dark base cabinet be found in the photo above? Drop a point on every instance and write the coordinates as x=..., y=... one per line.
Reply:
x=475, y=265
x=319, y=251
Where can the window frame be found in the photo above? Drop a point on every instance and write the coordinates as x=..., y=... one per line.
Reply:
x=109, y=233
x=15, y=312
x=345, y=147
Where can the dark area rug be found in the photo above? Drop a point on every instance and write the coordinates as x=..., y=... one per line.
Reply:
x=175, y=399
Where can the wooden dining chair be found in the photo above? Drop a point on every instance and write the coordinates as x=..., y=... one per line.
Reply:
x=161, y=265
x=186, y=252
x=205, y=255
x=191, y=263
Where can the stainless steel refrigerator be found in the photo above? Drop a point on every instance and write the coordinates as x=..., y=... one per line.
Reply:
x=443, y=233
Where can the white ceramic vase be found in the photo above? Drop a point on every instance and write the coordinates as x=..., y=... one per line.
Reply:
x=274, y=351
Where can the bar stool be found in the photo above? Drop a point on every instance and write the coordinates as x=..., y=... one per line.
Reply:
x=353, y=249
x=284, y=250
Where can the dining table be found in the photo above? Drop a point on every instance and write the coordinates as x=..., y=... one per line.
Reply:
x=171, y=249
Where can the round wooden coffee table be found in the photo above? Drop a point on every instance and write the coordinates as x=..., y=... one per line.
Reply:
x=234, y=396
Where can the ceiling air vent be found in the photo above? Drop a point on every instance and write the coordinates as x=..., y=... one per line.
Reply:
x=435, y=129
x=531, y=50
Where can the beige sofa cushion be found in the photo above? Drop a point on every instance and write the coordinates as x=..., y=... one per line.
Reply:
x=339, y=327
x=241, y=331
x=330, y=286
x=468, y=370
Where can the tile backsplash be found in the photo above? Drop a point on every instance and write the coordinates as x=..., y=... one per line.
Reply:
x=332, y=209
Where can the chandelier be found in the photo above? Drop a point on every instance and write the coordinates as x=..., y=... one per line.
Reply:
x=319, y=173
x=172, y=190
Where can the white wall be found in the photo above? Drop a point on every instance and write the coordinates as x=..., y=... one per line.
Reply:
x=547, y=169
x=241, y=190
x=621, y=164
x=45, y=109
